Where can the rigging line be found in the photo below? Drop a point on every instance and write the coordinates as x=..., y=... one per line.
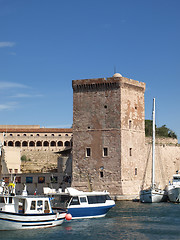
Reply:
x=145, y=170
x=161, y=165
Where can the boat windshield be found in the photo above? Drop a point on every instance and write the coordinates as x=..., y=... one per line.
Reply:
x=74, y=201
x=60, y=201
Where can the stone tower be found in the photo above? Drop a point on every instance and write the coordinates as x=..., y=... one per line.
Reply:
x=108, y=135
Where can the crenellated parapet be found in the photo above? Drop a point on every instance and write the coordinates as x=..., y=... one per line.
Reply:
x=98, y=84
x=94, y=85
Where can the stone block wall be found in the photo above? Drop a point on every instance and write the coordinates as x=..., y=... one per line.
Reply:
x=167, y=162
x=108, y=113
x=39, y=161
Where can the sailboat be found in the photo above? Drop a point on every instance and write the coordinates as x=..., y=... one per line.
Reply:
x=153, y=194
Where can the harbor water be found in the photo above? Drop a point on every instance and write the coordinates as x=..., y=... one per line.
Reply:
x=127, y=220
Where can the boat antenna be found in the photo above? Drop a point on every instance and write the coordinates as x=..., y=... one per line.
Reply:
x=153, y=146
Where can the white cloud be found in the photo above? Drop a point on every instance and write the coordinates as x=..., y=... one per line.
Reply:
x=6, y=85
x=6, y=44
x=7, y=106
x=12, y=53
x=24, y=95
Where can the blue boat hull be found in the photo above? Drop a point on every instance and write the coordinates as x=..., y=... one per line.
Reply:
x=89, y=212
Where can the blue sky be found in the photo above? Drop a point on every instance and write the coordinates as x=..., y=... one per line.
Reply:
x=45, y=44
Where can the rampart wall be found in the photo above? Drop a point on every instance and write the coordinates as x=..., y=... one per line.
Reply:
x=167, y=161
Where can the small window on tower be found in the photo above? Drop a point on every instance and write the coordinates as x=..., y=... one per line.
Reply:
x=101, y=174
x=88, y=152
x=130, y=124
x=135, y=171
x=130, y=152
x=105, y=152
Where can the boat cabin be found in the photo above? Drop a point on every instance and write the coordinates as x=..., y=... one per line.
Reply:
x=176, y=179
x=89, y=199
x=6, y=203
x=25, y=204
x=75, y=198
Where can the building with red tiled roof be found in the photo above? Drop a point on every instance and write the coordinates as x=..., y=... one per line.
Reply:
x=33, y=143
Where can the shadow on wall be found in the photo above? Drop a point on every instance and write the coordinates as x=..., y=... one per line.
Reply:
x=65, y=168
x=4, y=168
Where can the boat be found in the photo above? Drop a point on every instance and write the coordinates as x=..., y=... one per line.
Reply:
x=82, y=204
x=27, y=211
x=153, y=194
x=173, y=189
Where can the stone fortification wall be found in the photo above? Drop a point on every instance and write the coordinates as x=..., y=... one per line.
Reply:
x=44, y=162
x=162, y=141
x=167, y=161
x=132, y=135
x=39, y=161
x=96, y=126
x=108, y=114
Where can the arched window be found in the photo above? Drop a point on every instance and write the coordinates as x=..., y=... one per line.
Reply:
x=66, y=135
x=10, y=144
x=60, y=144
x=53, y=144
x=46, y=144
x=67, y=144
x=39, y=144
x=24, y=144
x=17, y=144
x=32, y=144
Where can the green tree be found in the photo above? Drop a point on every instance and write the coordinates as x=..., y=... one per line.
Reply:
x=24, y=158
x=148, y=127
x=162, y=131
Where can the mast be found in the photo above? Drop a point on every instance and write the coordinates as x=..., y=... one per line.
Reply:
x=153, y=146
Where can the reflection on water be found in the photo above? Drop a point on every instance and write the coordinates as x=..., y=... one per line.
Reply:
x=127, y=220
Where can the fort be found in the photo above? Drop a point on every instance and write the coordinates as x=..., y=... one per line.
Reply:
x=105, y=150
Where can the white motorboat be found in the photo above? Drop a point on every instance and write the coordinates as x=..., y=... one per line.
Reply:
x=27, y=212
x=173, y=188
x=82, y=204
x=153, y=194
